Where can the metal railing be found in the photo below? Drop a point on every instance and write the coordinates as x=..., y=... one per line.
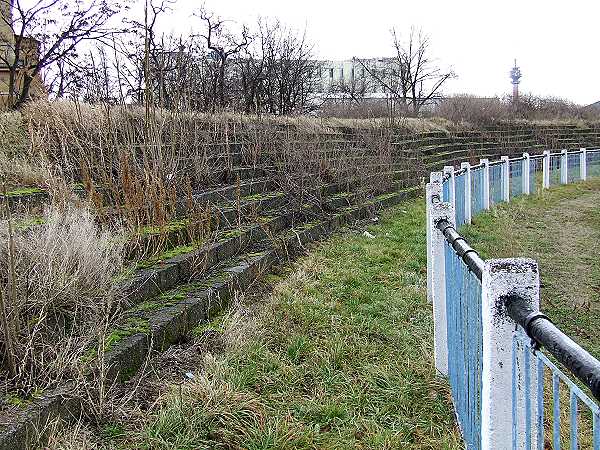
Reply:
x=491, y=339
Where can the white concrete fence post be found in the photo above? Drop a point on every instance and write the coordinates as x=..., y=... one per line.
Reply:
x=437, y=270
x=468, y=192
x=564, y=167
x=501, y=277
x=505, y=178
x=546, y=170
x=526, y=170
x=433, y=188
x=486, y=182
x=583, y=164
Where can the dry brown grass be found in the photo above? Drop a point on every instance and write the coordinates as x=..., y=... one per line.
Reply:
x=56, y=282
x=469, y=111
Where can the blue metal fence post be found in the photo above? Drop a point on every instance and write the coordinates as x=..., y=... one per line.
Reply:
x=500, y=278
x=583, y=164
x=505, y=178
x=525, y=173
x=564, y=167
x=546, y=170
x=486, y=182
x=468, y=191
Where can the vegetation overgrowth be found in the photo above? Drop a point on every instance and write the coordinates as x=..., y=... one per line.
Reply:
x=128, y=187
x=339, y=355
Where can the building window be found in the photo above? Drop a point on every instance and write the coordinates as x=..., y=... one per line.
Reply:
x=362, y=72
x=342, y=73
x=352, y=73
x=331, y=73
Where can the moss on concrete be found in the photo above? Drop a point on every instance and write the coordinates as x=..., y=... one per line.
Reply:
x=170, y=227
x=172, y=253
x=264, y=196
x=29, y=222
x=133, y=325
x=169, y=298
x=23, y=192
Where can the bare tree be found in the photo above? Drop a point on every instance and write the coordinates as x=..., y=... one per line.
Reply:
x=424, y=78
x=223, y=45
x=270, y=70
x=412, y=76
x=46, y=32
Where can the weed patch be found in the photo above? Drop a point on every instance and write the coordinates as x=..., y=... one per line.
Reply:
x=341, y=358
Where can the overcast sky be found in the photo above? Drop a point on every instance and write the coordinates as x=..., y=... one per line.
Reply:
x=555, y=42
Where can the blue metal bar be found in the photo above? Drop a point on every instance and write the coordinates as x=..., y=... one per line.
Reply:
x=555, y=169
x=496, y=183
x=556, y=410
x=463, y=314
x=573, y=168
x=596, y=428
x=459, y=189
x=593, y=163
x=516, y=178
x=573, y=407
x=446, y=191
x=570, y=384
x=476, y=190
x=540, y=404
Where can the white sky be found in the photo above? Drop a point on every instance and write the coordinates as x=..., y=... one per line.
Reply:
x=555, y=42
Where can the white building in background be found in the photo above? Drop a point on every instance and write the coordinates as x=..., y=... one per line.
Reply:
x=338, y=78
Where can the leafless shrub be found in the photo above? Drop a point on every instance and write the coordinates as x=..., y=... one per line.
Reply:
x=56, y=284
x=362, y=109
x=474, y=110
x=487, y=111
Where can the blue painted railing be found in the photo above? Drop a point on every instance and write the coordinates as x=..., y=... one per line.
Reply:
x=538, y=384
x=463, y=300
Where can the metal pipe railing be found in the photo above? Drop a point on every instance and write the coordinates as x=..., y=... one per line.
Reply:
x=537, y=326
x=462, y=248
x=547, y=335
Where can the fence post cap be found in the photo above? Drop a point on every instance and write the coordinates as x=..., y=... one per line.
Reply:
x=511, y=265
x=504, y=158
x=525, y=155
x=564, y=151
x=442, y=211
x=448, y=169
x=465, y=165
x=484, y=161
x=436, y=177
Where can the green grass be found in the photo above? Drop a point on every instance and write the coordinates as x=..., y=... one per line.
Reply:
x=561, y=230
x=340, y=357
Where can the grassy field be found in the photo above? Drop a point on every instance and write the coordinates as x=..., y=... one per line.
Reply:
x=338, y=356
x=560, y=228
